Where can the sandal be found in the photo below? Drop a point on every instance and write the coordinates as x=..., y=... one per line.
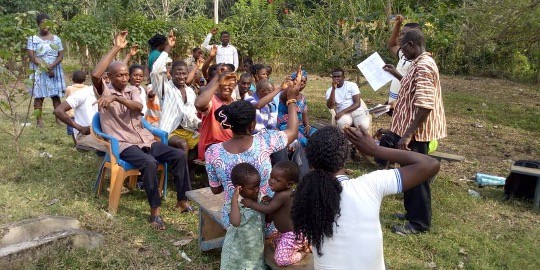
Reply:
x=157, y=223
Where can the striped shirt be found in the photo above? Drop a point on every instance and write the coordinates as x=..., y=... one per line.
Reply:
x=263, y=119
x=420, y=88
x=174, y=111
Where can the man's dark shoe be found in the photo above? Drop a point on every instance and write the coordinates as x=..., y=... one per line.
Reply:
x=401, y=216
x=406, y=229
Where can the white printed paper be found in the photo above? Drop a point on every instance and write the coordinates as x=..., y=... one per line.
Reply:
x=372, y=69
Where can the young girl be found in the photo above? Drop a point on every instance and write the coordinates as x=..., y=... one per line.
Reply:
x=283, y=177
x=243, y=247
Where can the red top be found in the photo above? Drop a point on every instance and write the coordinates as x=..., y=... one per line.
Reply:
x=211, y=130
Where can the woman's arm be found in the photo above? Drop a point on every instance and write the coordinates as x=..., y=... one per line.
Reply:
x=292, y=123
x=202, y=102
x=415, y=168
x=57, y=61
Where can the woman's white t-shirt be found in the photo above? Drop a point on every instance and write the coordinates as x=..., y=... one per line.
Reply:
x=357, y=242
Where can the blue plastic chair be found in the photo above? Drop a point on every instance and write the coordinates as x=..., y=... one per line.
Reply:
x=120, y=169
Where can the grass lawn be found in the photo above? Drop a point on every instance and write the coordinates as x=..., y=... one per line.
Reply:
x=490, y=122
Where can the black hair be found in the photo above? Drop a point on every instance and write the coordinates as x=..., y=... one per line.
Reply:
x=134, y=67
x=416, y=36
x=268, y=68
x=316, y=205
x=246, y=75
x=412, y=25
x=262, y=84
x=248, y=61
x=242, y=172
x=212, y=71
x=224, y=33
x=255, y=69
x=41, y=16
x=339, y=70
x=237, y=116
x=196, y=49
x=78, y=76
x=231, y=66
x=156, y=41
x=290, y=169
x=177, y=64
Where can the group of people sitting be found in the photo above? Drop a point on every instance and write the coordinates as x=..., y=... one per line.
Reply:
x=247, y=129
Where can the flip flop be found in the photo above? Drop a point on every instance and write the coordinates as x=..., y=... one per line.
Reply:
x=157, y=223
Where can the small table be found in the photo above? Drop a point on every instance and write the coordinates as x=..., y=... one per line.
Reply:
x=532, y=172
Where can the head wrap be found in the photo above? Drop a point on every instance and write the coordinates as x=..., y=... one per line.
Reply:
x=304, y=74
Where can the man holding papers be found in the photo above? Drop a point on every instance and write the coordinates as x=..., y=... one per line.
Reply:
x=418, y=119
x=346, y=107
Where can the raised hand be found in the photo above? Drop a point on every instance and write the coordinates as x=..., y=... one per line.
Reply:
x=121, y=39
x=213, y=51
x=214, y=31
x=171, y=39
x=298, y=75
x=361, y=140
x=292, y=91
x=133, y=50
x=399, y=19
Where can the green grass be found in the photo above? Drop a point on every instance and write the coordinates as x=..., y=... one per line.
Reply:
x=467, y=232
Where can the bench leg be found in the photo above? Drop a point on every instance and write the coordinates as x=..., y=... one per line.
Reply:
x=536, y=204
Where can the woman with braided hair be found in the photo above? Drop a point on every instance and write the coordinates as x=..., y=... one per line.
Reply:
x=340, y=216
x=239, y=117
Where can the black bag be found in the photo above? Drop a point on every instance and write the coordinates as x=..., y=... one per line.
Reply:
x=521, y=185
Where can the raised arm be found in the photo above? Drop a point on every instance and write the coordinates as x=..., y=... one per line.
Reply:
x=132, y=52
x=202, y=102
x=415, y=168
x=393, y=44
x=120, y=42
x=208, y=61
x=206, y=42
x=158, y=76
x=268, y=98
x=292, y=122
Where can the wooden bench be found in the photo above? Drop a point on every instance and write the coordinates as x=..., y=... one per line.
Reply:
x=532, y=172
x=445, y=156
x=212, y=232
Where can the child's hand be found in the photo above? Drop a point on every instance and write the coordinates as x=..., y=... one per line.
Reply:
x=266, y=199
x=248, y=202
x=236, y=193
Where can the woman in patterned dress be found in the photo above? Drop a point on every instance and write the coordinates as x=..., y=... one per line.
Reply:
x=46, y=52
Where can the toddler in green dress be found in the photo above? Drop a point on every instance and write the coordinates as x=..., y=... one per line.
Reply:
x=243, y=247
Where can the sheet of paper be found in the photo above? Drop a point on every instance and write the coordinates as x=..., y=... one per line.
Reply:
x=373, y=71
x=379, y=110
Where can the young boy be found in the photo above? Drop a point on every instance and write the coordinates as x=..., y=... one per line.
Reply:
x=283, y=178
x=78, y=79
x=243, y=246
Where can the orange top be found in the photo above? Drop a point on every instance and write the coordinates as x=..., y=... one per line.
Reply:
x=211, y=130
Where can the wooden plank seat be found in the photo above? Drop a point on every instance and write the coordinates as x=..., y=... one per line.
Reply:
x=532, y=172
x=446, y=156
x=212, y=232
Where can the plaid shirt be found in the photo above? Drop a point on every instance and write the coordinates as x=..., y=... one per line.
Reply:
x=420, y=88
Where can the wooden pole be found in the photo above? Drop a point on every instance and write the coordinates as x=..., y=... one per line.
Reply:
x=216, y=10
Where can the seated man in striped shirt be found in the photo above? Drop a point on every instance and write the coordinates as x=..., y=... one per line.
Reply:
x=177, y=101
x=418, y=119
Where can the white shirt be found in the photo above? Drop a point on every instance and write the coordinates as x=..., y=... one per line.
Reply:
x=357, y=241
x=227, y=54
x=174, y=112
x=402, y=67
x=143, y=100
x=83, y=102
x=344, y=95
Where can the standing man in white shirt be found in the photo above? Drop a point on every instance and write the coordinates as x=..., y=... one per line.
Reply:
x=346, y=106
x=226, y=52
